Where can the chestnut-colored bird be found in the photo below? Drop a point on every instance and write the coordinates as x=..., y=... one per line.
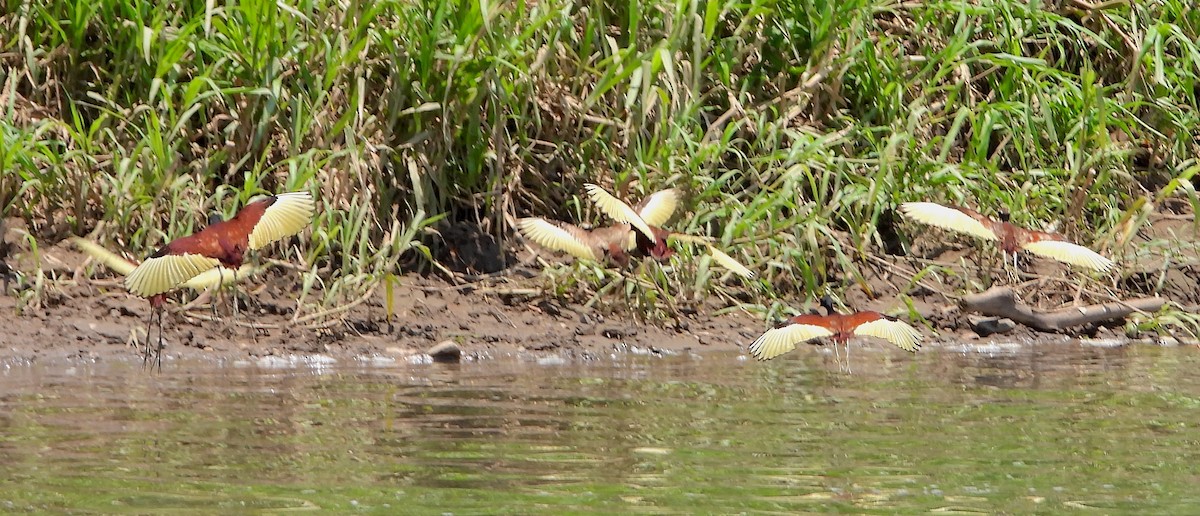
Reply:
x=639, y=235
x=650, y=215
x=218, y=276
x=1012, y=238
x=840, y=328
x=222, y=243
x=212, y=278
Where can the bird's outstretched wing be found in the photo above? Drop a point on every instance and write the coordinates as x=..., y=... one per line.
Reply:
x=728, y=262
x=203, y=281
x=947, y=218
x=778, y=341
x=287, y=215
x=114, y=261
x=1067, y=252
x=166, y=271
x=558, y=236
x=892, y=330
x=656, y=209
x=618, y=210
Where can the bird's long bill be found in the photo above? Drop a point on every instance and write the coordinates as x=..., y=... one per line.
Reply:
x=946, y=218
x=778, y=341
x=1067, y=252
x=618, y=210
x=657, y=208
x=288, y=215
x=897, y=332
x=160, y=274
x=557, y=237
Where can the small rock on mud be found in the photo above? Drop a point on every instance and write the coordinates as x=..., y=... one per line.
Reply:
x=984, y=326
x=445, y=351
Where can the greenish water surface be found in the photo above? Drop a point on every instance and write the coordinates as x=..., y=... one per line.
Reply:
x=1046, y=428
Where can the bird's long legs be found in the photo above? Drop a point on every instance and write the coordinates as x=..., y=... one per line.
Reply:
x=1014, y=274
x=237, y=313
x=216, y=295
x=837, y=357
x=157, y=351
x=149, y=325
x=233, y=297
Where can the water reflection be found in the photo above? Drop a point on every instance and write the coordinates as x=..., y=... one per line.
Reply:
x=1001, y=428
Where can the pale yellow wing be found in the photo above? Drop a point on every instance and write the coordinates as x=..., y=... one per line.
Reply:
x=618, y=210
x=1067, y=252
x=691, y=239
x=897, y=332
x=220, y=276
x=657, y=209
x=113, y=260
x=728, y=262
x=718, y=256
x=558, y=237
x=161, y=274
x=288, y=215
x=778, y=341
x=946, y=218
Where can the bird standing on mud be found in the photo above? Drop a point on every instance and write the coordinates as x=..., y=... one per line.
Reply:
x=1012, y=238
x=223, y=243
x=840, y=328
x=639, y=233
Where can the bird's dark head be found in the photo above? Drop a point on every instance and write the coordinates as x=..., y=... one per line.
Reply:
x=214, y=218
x=827, y=304
x=657, y=248
x=1003, y=215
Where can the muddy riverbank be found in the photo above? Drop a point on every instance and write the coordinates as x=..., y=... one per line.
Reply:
x=97, y=320
x=84, y=313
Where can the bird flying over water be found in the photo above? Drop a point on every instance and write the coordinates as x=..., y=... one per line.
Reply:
x=840, y=328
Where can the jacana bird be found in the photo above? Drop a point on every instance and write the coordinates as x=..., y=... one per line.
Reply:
x=612, y=242
x=222, y=243
x=651, y=213
x=616, y=242
x=840, y=328
x=1012, y=238
x=217, y=276
x=642, y=236
x=210, y=279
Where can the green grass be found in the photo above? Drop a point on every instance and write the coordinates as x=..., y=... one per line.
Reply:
x=794, y=127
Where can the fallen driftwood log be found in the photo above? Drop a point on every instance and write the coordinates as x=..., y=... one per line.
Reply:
x=1002, y=302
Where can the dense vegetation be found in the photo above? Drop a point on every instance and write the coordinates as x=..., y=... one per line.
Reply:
x=794, y=126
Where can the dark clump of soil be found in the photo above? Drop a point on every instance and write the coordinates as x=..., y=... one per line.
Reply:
x=465, y=247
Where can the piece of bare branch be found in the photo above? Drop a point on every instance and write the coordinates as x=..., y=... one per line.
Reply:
x=1002, y=302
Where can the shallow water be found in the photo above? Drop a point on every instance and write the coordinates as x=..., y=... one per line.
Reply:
x=1045, y=428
